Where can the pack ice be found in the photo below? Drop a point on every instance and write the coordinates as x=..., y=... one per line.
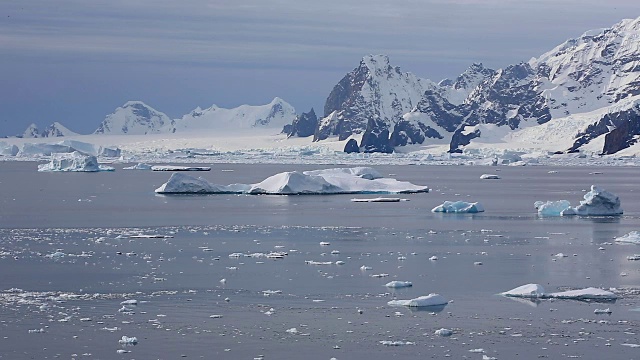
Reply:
x=597, y=202
x=75, y=162
x=358, y=180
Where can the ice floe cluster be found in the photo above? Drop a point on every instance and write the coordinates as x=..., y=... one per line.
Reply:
x=597, y=202
x=536, y=291
x=459, y=207
x=358, y=180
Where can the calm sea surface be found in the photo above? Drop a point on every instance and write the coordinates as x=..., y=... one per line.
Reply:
x=68, y=260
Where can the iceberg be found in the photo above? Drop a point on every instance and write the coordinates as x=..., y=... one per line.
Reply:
x=552, y=208
x=535, y=291
x=630, y=238
x=398, y=284
x=422, y=301
x=489, y=177
x=8, y=150
x=459, y=207
x=597, y=202
x=525, y=291
x=74, y=162
x=360, y=180
x=180, y=183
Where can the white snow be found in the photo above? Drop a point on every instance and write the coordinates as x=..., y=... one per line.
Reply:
x=459, y=207
x=443, y=332
x=138, y=166
x=378, y=199
x=125, y=340
x=398, y=284
x=74, y=162
x=330, y=181
x=630, y=238
x=422, y=301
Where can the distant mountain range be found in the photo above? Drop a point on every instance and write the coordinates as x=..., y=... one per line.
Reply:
x=582, y=95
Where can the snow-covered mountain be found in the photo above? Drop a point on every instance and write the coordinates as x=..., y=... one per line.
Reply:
x=31, y=132
x=56, y=130
x=135, y=118
x=590, y=85
x=274, y=115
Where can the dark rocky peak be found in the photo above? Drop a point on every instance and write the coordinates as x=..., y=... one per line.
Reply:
x=472, y=77
x=304, y=125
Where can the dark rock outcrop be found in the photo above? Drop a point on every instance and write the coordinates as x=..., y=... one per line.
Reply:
x=376, y=137
x=351, y=146
x=304, y=125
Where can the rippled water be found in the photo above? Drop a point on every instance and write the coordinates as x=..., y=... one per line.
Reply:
x=68, y=260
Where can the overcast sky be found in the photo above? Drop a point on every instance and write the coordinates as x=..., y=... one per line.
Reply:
x=75, y=61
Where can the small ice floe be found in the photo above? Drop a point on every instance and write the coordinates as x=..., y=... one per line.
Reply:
x=271, y=292
x=340, y=262
x=379, y=275
x=459, y=207
x=179, y=168
x=395, y=343
x=422, y=301
x=293, y=331
x=150, y=236
x=122, y=351
x=335, y=252
x=325, y=243
x=56, y=255
x=631, y=345
x=312, y=262
x=138, y=166
x=633, y=257
x=477, y=351
x=489, y=177
x=477, y=263
x=215, y=316
x=126, y=310
x=602, y=311
x=630, y=238
x=560, y=255
x=36, y=331
x=433, y=258
x=125, y=340
x=379, y=199
x=443, y=332
x=485, y=357
x=129, y=302
x=398, y=284
x=365, y=268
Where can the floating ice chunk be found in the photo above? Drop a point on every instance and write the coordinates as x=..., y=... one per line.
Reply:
x=551, y=208
x=340, y=262
x=8, y=150
x=560, y=255
x=630, y=238
x=459, y=207
x=129, y=302
x=433, y=258
x=602, y=311
x=179, y=168
x=325, y=243
x=215, y=316
x=422, y=301
x=56, y=255
x=292, y=331
x=74, y=162
x=312, y=262
x=443, y=332
x=125, y=340
x=395, y=343
x=36, y=331
x=138, y=166
x=150, y=236
x=398, y=284
x=590, y=293
x=489, y=177
x=180, y=183
x=597, y=202
x=526, y=291
x=365, y=268
x=378, y=199
x=379, y=275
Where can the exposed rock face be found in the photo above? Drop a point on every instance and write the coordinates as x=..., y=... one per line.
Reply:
x=31, y=132
x=376, y=137
x=625, y=133
x=304, y=125
x=56, y=130
x=351, y=146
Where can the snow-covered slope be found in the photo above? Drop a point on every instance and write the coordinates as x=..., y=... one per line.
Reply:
x=31, y=132
x=274, y=115
x=135, y=118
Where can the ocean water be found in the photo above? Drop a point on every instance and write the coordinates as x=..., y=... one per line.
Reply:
x=68, y=260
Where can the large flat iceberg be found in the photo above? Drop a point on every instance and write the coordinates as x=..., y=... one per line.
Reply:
x=422, y=301
x=536, y=291
x=359, y=180
x=459, y=207
x=597, y=202
x=74, y=162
